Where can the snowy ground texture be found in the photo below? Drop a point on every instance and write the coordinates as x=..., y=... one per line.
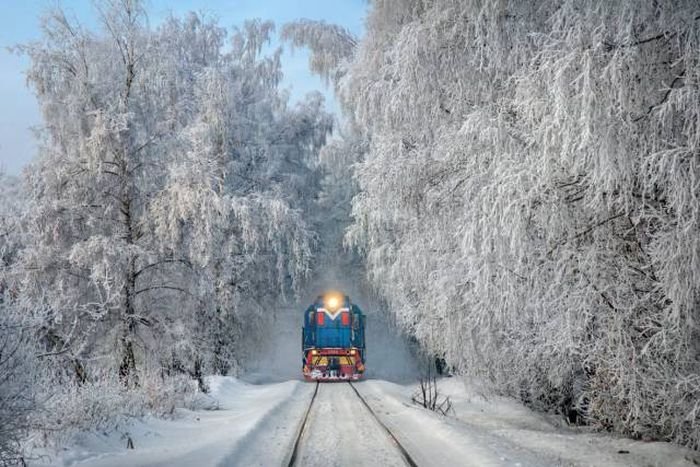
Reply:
x=256, y=424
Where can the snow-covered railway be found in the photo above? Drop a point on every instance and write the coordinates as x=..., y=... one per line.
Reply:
x=302, y=429
x=406, y=456
x=337, y=431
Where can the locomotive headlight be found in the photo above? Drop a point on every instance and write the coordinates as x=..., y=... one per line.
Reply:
x=333, y=302
x=314, y=352
x=352, y=352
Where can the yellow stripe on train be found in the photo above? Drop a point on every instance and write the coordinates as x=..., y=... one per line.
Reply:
x=323, y=360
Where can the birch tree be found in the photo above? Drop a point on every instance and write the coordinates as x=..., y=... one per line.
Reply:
x=168, y=196
x=17, y=394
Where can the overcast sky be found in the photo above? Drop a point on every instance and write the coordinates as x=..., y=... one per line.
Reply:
x=19, y=22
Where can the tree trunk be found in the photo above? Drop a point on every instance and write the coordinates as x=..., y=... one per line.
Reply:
x=80, y=372
x=199, y=376
x=127, y=368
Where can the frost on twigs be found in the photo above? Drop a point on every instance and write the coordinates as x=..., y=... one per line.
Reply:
x=428, y=395
x=528, y=205
x=167, y=210
x=17, y=394
x=331, y=45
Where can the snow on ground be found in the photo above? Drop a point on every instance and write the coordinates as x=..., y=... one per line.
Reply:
x=257, y=423
x=193, y=437
x=434, y=440
x=491, y=430
x=260, y=414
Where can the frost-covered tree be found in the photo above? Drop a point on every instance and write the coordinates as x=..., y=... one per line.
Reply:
x=13, y=204
x=528, y=204
x=251, y=160
x=17, y=396
x=332, y=48
x=17, y=391
x=167, y=199
x=102, y=156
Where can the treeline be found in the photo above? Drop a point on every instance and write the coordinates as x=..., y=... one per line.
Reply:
x=528, y=200
x=171, y=205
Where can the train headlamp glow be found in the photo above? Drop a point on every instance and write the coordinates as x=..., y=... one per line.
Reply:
x=333, y=302
x=352, y=351
x=314, y=352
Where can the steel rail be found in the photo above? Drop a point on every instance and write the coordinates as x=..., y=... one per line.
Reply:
x=406, y=456
x=302, y=429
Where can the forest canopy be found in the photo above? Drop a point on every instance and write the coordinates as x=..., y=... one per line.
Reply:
x=528, y=201
x=169, y=206
x=518, y=181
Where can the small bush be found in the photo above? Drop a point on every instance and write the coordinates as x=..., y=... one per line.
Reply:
x=104, y=404
x=16, y=395
x=428, y=395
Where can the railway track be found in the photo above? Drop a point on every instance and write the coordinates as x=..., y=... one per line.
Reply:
x=305, y=421
x=302, y=429
x=406, y=456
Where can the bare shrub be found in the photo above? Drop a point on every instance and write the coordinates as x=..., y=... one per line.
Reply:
x=104, y=404
x=428, y=395
x=16, y=394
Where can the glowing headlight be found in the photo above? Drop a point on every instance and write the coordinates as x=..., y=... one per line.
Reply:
x=314, y=352
x=352, y=351
x=333, y=302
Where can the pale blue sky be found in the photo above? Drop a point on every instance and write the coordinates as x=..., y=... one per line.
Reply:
x=19, y=22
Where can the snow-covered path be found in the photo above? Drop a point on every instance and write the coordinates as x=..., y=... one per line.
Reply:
x=257, y=425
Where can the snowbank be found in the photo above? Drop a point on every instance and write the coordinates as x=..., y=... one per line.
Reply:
x=203, y=437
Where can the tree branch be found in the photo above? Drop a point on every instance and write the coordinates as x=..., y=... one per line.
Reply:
x=167, y=287
x=680, y=76
x=165, y=261
x=585, y=232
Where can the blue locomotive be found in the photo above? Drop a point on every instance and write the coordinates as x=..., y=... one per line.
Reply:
x=333, y=339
